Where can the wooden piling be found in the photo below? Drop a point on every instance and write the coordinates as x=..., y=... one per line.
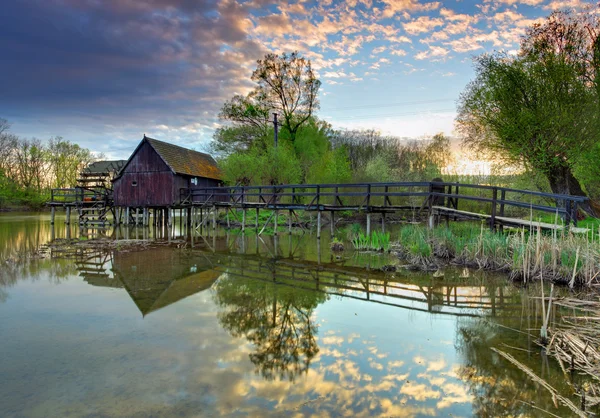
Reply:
x=332, y=223
x=276, y=222
x=290, y=222
x=318, y=224
x=383, y=223
x=214, y=218
x=368, y=224
x=244, y=220
x=68, y=215
x=127, y=215
x=52, y=215
x=256, y=223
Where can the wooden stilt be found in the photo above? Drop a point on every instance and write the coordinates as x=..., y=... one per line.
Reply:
x=256, y=222
x=290, y=222
x=214, y=218
x=68, y=215
x=368, y=224
x=276, y=222
x=383, y=222
x=127, y=215
x=52, y=215
x=243, y=220
x=332, y=222
x=318, y=224
x=227, y=216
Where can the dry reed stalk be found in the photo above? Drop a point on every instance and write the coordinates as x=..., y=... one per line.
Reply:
x=542, y=382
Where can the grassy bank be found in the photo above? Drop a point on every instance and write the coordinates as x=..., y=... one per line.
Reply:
x=559, y=256
x=14, y=199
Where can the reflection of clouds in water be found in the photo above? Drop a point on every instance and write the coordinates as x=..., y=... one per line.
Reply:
x=333, y=340
x=436, y=365
x=179, y=362
x=419, y=391
x=395, y=363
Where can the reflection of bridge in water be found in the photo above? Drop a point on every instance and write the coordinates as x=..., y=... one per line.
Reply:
x=452, y=295
x=157, y=277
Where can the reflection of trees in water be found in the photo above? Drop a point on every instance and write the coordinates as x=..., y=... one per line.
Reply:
x=13, y=270
x=498, y=388
x=276, y=319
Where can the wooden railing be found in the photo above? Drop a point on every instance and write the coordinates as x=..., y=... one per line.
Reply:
x=75, y=195
x=378, y=197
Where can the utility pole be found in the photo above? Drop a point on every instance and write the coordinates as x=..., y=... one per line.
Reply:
x=276, y=126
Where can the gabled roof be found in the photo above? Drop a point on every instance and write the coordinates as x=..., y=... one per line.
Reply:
x=182, y=160
x=112, y=166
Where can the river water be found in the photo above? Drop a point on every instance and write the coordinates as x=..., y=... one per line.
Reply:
x=258, y=326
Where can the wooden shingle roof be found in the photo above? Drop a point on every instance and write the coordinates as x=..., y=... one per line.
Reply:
x=186, y=161
x=182, y=160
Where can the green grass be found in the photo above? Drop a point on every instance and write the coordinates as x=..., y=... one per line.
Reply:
x=376, y=241
x=555, y=255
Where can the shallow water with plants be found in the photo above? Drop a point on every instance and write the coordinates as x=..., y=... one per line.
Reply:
x=246, y=325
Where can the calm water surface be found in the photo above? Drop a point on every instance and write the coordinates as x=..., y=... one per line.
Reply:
x=247, y=326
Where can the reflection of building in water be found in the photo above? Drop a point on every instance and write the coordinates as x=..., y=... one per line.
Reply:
x=153, y=278
x=94, y=266
x=158, y=277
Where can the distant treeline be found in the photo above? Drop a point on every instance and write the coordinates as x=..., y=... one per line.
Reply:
x=29, y=168
x=320, y=154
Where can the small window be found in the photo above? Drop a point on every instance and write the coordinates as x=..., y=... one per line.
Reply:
x=195, y=181
x=134, y=183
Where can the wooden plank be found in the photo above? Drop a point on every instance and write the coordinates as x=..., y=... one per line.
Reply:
x=509, y=221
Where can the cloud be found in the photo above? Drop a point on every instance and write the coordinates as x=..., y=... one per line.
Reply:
x=392, y=7
x=422, y=24
x=432, y=52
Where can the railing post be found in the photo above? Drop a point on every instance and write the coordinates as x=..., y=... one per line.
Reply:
x=456, y=198
x=502, y=199
x=318, y=195
x=385, y=197
x=568, y=212
x=494, y=203
x=431, y=220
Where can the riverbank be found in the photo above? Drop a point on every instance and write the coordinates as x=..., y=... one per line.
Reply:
x=559, y=256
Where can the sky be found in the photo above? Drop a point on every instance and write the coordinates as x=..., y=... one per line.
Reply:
x=102, y=73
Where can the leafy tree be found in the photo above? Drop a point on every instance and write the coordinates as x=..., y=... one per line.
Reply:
x=541, y=108
x=538, y=113
x=66, y=161
x=285, y=84
x=332, y=167
x=271, y=166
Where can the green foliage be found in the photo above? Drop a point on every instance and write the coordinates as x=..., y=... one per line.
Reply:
x=540, y=108
x=273, y=166
x=29, y=167
x=377, y=241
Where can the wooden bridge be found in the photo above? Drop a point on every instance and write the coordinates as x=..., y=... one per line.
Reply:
x=498, y=206
x=199, y=206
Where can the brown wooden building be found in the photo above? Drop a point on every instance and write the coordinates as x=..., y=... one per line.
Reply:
x=157, y=171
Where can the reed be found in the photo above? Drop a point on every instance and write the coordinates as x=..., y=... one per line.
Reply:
x=376, y=241
x=561, y=256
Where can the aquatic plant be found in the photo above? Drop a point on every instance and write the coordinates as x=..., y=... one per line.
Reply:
x=558, y=256
x=336, y=245
x=377, y=241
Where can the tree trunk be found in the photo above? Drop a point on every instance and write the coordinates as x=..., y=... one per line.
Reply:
x=562, y=181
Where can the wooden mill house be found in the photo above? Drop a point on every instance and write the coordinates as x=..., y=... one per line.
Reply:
x=155, y=176
x=153, y=181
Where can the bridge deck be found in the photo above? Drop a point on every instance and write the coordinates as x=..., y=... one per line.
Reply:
x=501, y=220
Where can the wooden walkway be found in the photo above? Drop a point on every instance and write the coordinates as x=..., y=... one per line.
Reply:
x=498, y=206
